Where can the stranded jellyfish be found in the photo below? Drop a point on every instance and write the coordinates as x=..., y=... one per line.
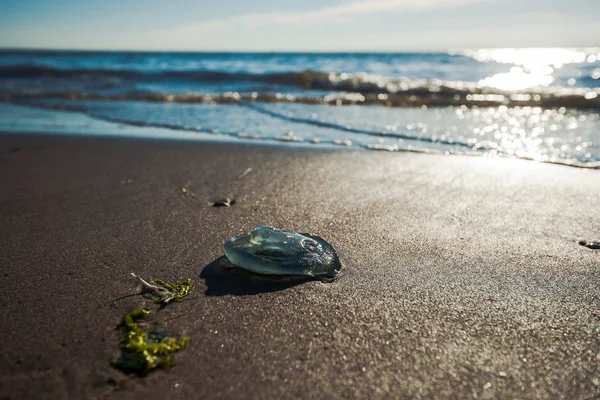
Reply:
x=269, y=251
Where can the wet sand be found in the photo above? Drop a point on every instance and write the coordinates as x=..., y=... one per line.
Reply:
x=463, y=276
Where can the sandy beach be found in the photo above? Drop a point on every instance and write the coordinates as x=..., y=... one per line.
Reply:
x=462, y=276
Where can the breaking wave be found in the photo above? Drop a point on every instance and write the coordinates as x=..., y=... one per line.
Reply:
x=312, y=88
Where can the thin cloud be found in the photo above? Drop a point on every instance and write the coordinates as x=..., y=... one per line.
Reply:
x=328, y=15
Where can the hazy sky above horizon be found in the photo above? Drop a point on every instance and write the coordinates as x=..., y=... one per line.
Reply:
x=320, y=25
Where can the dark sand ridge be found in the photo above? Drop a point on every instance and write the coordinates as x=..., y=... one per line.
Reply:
x=463, y=276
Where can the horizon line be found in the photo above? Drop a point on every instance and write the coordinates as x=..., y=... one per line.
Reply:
x=431, y=51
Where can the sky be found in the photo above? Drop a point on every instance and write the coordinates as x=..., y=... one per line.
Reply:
x=300, y=25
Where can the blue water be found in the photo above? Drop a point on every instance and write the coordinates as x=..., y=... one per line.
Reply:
x=540, y=104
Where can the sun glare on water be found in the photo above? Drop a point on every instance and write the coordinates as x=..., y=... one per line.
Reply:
x=535, y=57
x=518, y=79
x=533, y=68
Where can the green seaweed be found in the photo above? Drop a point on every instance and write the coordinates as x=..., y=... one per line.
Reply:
x=141, y=351
x=179, y=291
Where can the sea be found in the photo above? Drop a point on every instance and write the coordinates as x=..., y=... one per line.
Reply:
x=539, y=104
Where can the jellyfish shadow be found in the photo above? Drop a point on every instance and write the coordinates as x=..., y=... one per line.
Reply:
x=223, y=278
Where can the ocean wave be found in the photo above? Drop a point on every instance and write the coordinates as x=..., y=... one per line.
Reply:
x=416, y=97
x=303, y=79
x=363, y=83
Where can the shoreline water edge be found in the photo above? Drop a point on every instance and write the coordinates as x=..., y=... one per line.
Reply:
x=535, y=104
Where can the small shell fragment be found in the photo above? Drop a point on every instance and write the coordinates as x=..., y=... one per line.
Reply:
x=222, y=203
x=161, y=293
x=590, y=245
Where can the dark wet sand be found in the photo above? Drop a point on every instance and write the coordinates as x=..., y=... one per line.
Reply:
x=463, y=276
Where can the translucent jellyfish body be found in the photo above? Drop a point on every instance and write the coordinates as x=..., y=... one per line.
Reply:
x=270, y=251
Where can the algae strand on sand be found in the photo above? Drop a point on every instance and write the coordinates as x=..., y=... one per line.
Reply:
x=142, y=351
